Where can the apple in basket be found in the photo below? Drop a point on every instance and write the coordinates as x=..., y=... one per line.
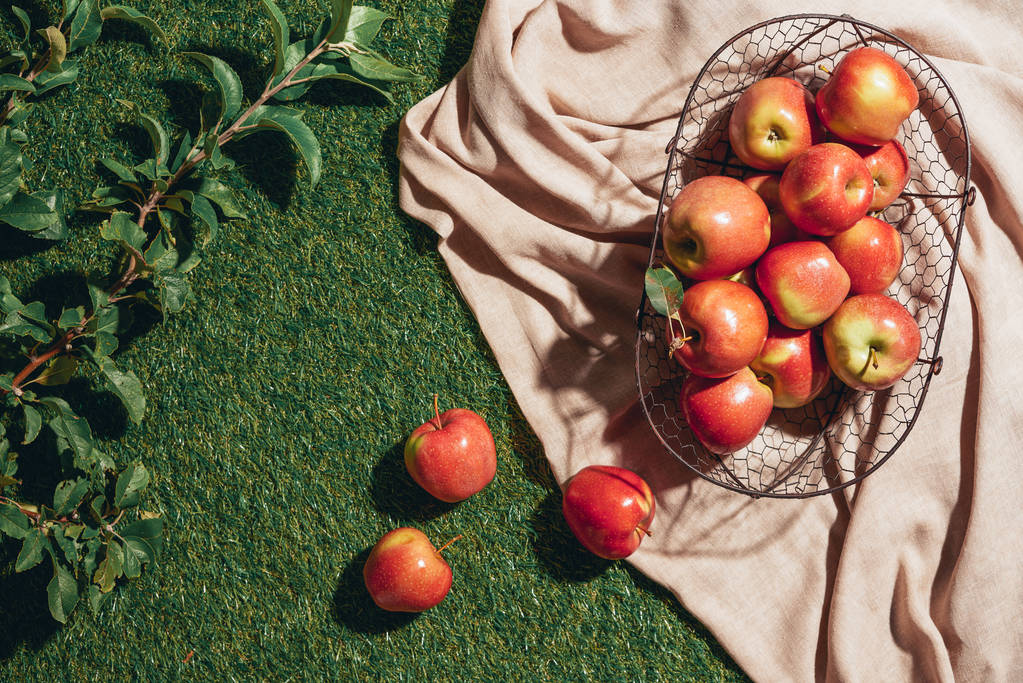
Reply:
x=782, y=229
x=871, y=252
x=405, y=573
x=773, y=121
x=792, y=363
x=715, y=227
x=826, y=189
x=867, y=97
x=723, y=325
x=803, y=282
x=889, y=167
x=609, y=509
x=725, y=414
x=871, y=342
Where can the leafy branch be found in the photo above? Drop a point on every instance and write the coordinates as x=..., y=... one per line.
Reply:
x=164, y=212
x=41, y=62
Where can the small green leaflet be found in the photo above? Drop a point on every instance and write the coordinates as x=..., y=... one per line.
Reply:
x=174, y=291
x=11, y=82
x=26, y=24
x=48, y=80
x=221, y=195
x=31, y=550
x=133, y=16
x=364, y=24
x=125, y=385
x=69, y=494
x=664, y=290
x=130, y=485
x=157, y=134
x=110, y=569
x=375, y=68
x=279, y=25
x=228, y=81
x=340, y=11
x=28, y=213
x=33, y=423
x=58, y=47
x=62, y=592
x=13, y=521
x=60, y=371
x=10, y=167
x=86, y=26
x=120, y=170
x=121, y=228
x=289, y=123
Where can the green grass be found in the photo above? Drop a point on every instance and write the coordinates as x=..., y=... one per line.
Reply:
x=279, y=401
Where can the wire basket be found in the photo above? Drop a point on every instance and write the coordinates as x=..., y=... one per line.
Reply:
x=844, y=435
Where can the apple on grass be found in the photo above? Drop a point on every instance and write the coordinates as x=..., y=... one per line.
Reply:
x=723, y=325
x=715, y=227
x=867, y=97
x=792, y=363
x=774, y=120
x=609, y=509
x=405, y=573
x=826, y=189
x=871, y=342
x=452, y=455
x=889, y=167
x=725, y=414
x=803, y=282
x=871, y=252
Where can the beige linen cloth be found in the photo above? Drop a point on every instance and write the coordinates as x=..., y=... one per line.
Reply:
x=540, y=166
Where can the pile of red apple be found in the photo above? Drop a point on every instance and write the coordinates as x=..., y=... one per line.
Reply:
x=787, y=268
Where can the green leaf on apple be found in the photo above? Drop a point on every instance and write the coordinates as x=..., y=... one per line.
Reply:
x=664, y=291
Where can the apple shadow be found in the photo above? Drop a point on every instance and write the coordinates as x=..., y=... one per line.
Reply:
x=396, y=494
x=560, y=552
x=354, y=609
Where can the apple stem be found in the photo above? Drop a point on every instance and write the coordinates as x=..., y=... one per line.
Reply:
x=824, y=69
x=646, y=531
x=677, y=343
x=436, y=413
x=443, y=547
x=873, y=357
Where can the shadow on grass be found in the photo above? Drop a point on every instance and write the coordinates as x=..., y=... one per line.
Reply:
x=355, y=610
x=15, y=244
x=559, y=551
x=25, y=619
x=396, y=494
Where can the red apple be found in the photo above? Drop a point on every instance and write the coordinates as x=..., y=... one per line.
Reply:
x=452, y=455
x=772, y=122
x=826, y=189
x=889, y=166
x=871, y=342
x=867, y=97
x=716, y=226
x=803, y=282
x=871, y=252
x=609, y=509
x=405, y=573
x=725, y=414
x=792, y=363
x=782, y=229
x=725, y=323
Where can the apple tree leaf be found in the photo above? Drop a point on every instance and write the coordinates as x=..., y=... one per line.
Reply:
x=664, y=290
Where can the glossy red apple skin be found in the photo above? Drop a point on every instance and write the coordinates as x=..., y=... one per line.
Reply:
x=889, y=167
x=728, y=324
x=405, y=573
x=609, y=509
x=716, y=226
x=803, y=282
x=793, y=365
x=867, y=97
x=782, y=229
x=725, y=414
x=870, y=321
x=871, y=252
x=774, y=120
x=453, y=455
x=826, y=189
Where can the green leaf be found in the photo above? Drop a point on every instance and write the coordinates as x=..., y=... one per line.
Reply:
x=13, y=521
x=86, y=26
x=71, y=317
x=31, y=550
x=48, y=80
x=121, y=228
x=69, y=8
x=15, y=56
x=147, y=533
x=282, y=36
x=54, y=199
x=26, y=23
x=221, y=195
x=120, y=170
x=664, y=290
x=130, y=485
x=364, y=24
x=69, y=494
x=202, y=208
x=340, y=11
x=12, y=82
x=135, y=17
x=10, y=167
x=61, y=370
x=376, y=68
x=125, y=385
x=58, y=47
x=28, y=213
x=36, y=312
x=110, y=569
x=184, y=147
x=98, y=295
x=338, y=70
x=106, y=344
x=72, y=433
x=228, y=81
x=158, y=136
x=286, y=121
x=16, y=325
x=174, y=291
x=62, y=593
x=33, y=423
x=131, y=564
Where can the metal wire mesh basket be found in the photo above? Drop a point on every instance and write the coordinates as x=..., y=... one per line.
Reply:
x=844, y=435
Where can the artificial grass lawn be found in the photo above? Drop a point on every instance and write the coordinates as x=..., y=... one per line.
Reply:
x=279, y=401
